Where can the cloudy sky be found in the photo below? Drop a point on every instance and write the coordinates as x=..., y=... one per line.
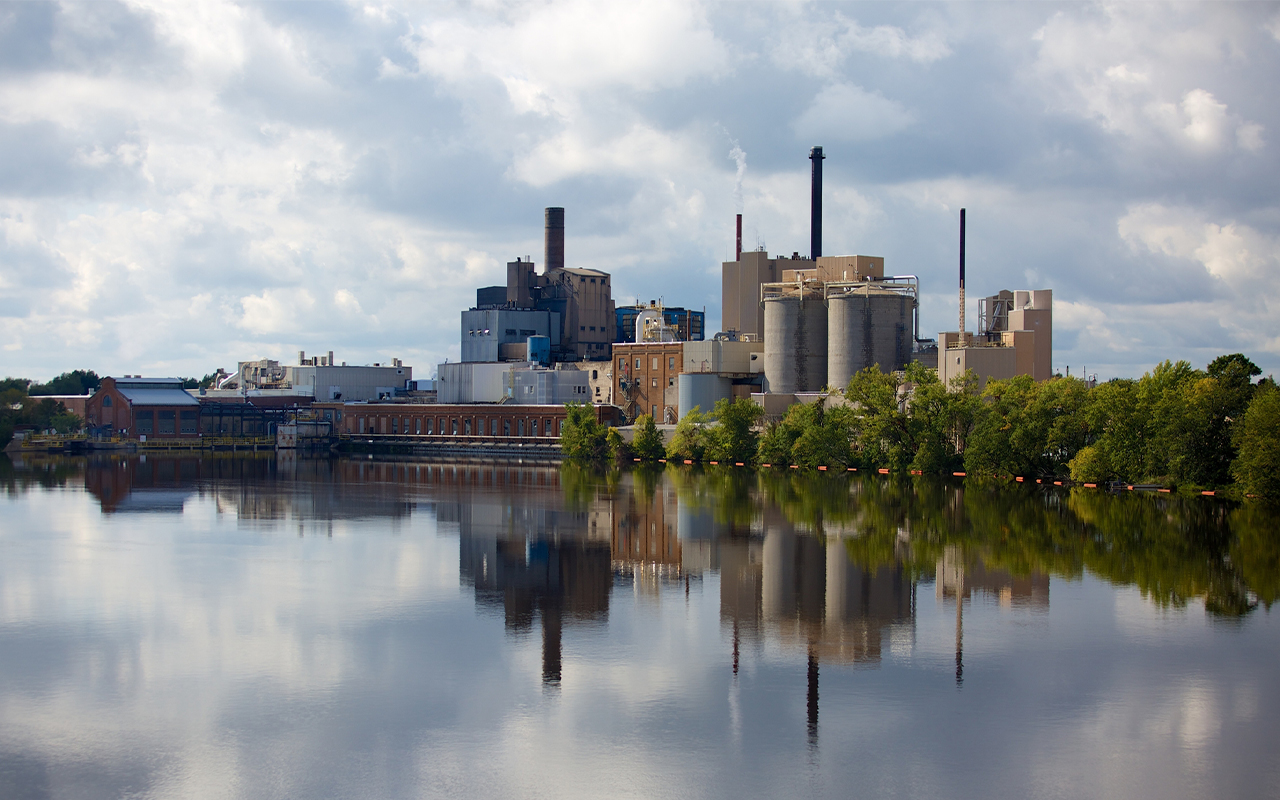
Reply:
x=184, y=186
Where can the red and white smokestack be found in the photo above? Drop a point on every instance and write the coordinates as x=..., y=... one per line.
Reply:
x=738, y=256
x=962, y=271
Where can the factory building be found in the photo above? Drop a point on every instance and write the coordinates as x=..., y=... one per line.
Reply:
x=688, y=325
x=1014, y=337
x=314, y=378
x=134, y=407
x=721, y=369
x=644, y=379
x=450, y=420
x=573, y=306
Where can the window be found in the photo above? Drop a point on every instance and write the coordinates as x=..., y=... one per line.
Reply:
x=622, y=364
x=362, y=424
x=395, y=426
x=653, y=412
x=146, y=421
x=455, y=427
x=594, y=375
x=583, y=327
x=166, y=420
x=521, y=424
x=655, y=383
x=466, y=427
x=671, y=362
x=106, y=401
x=671, y=381
x=597, y=391
x=655, y=362
x=417, y=426
x=534, y=428
x=510, y=332
x=190, y=422
x=593, y=280
x=637, y=363
x=429, y=426
x=480, y=426
x=593, y=327
x=560, y=427
x=506, y=427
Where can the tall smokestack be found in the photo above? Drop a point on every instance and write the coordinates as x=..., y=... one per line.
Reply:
x=815, y=209
x=962, y=270
x=553, y=257
x=739, y=250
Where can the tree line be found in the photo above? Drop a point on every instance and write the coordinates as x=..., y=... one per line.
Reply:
x=1176, y=426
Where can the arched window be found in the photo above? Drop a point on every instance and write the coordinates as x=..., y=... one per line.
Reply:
x=106, y=401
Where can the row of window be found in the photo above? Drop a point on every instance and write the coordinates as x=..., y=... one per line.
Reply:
x=441, y=426
x=657, y=361
x=169, y=421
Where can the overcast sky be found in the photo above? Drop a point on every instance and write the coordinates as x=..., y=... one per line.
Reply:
x=190, y=185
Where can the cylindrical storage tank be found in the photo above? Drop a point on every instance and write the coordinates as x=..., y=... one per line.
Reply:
x=702, y=389
x=867, y=328
x=539, y=349
x=795, y=343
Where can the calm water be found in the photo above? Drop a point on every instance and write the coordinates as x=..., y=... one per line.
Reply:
x=256, y=628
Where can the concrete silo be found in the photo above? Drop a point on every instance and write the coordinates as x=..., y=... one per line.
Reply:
x=795, y=338
x=869, y=325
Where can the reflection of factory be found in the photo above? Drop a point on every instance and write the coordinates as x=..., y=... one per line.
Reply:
x=958, y=578
x=532, y=561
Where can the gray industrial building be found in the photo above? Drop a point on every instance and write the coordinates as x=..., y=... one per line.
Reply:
x=501, y=334
x=573, y=306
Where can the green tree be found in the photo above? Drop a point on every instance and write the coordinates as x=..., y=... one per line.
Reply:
x=648, y=444
x=690, y=439
x=1028, y=428
x=1257, y=466
x=583, y=438
x=734, y=438
x=616, y=445
x=809, y=436
x=77, y=381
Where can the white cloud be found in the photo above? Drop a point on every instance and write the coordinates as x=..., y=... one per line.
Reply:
x=844, y=112
x=819, y=46
x=1135, y=70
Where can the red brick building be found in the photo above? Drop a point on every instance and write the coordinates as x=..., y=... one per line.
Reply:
x=644, y=379
x=436, y=420
x=153, y=407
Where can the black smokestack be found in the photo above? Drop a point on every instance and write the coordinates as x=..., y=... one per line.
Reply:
x=815, y=213
x=962, y=270
x=553, y=257
x=738, y=257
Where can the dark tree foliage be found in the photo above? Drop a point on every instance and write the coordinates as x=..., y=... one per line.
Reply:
x=1257, y=467
x=647, y=444
x=734, y=438
x=77, y=381
x=583, y=438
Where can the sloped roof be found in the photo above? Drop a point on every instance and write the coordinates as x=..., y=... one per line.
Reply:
x=157, y=397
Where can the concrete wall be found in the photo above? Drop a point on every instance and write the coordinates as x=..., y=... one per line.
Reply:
x=474, y=382
x=723, y=357
x=549, y=386
x=353, y=384
x=1033, y=311
x=485, y=331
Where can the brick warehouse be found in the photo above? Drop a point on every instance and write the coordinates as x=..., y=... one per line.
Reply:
x=490, y=421
x=644, y=379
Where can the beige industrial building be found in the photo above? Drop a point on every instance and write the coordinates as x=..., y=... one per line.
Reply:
x=1015, y=337
x=741, y=280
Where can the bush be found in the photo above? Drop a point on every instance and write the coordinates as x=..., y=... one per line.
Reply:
x=648, y=444
x=734, y=438
x=690, y=439
x=583, y=438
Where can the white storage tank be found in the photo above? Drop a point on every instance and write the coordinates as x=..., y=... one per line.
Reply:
x=702, y=389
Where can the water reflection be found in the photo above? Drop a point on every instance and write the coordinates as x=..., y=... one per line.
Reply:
x=662, y=622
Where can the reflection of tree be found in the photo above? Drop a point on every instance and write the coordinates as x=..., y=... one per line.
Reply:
x=45, y=472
